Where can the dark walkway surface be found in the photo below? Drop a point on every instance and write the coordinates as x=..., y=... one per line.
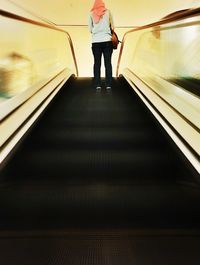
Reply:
x=98, y=160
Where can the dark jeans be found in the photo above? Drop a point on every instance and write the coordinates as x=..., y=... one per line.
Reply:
x=106, y=49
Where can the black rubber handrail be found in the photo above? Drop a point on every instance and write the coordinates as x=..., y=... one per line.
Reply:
x=37, y=23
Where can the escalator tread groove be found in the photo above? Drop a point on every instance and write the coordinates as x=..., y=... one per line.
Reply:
x=95, y=171
x=97, y=158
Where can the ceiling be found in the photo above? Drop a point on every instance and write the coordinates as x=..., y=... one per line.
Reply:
x=125, y=13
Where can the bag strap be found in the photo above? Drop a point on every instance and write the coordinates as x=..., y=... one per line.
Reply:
x=112, y=30
x=110, y=20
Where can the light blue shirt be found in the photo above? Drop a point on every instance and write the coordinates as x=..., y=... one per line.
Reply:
x=101, y=31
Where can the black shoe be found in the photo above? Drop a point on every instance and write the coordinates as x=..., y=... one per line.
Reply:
x=108, y=88
x=98, y=88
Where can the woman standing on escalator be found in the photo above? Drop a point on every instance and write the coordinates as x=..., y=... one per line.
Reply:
x=100, y=25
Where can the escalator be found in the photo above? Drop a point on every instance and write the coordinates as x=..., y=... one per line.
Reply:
x=96, y=180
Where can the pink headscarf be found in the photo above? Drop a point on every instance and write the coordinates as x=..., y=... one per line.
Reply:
x=98, y=10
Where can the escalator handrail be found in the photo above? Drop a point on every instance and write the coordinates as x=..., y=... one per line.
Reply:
x=41, y=24
x=170, y=18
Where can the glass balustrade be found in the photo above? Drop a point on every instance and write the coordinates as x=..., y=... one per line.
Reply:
x=30, y=56
x=170, y=51
x=166, y=58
